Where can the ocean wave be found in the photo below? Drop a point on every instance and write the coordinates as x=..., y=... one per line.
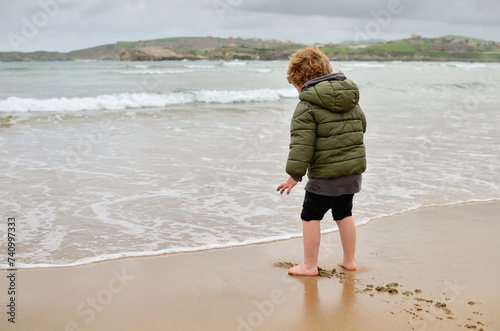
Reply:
x=199, y=66
x=234, y=63
x=152, y=71
x=470, y=65
x=141, y=100
x=262, y=71
x=367, y=65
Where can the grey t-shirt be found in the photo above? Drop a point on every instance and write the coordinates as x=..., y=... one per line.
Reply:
x=335, y=187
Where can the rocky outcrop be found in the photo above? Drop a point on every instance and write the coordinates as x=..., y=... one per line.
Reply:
x=162, y=54
x=154, y=54
x=230, y=56
x=274, y=56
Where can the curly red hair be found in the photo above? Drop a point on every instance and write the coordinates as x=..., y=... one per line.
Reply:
x=307, y=64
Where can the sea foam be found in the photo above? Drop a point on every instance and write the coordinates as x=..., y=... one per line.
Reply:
x=141, y=100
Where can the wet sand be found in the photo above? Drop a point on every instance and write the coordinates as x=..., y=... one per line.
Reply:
x=431, y=269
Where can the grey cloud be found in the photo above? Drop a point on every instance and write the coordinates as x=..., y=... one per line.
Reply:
x=450, y=11
x=80, y=24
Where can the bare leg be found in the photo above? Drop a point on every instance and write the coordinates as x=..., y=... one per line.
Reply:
x=348, y=238
x=312, y=238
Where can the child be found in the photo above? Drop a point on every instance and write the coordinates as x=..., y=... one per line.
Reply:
x=326, y=142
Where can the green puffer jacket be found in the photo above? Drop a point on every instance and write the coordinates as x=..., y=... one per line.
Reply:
x=327, y=131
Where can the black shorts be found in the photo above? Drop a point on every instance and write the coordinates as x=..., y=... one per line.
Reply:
x=315, y=206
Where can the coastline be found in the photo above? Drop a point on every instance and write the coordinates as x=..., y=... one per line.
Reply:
x=441, y=251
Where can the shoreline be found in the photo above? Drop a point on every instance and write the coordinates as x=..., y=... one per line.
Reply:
x=335, y=59
x=200, y=250
x=441, y=259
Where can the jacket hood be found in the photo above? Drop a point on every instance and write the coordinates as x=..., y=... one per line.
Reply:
x=334, y=92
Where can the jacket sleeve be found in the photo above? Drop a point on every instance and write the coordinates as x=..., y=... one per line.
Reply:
x=302, y=142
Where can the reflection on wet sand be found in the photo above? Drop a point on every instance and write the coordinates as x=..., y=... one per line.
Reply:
x=320, y=311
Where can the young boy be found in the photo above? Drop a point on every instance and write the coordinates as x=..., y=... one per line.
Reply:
x=326, y=142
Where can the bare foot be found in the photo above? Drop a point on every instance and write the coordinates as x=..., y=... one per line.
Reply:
x=348, y=266
x=302, y=270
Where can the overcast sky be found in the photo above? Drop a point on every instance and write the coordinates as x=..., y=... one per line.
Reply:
x=64, y=25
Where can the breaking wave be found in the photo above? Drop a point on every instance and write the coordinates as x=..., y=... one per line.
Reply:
x=141, y=100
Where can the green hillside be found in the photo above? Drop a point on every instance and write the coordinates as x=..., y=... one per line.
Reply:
x=418, y=49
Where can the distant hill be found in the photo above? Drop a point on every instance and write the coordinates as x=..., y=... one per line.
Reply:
x=447, y=48
x=103, y=53
x=192, y=48
x=451, y=38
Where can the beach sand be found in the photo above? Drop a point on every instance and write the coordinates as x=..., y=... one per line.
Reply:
x=444, y=261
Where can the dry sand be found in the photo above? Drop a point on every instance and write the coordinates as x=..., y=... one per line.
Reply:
x=432, y=269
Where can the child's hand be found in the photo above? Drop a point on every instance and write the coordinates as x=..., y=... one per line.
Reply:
x=290, y=183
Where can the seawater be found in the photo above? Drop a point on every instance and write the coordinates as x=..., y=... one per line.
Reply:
x=102, y=160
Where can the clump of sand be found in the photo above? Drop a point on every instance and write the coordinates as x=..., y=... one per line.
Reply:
x=425, y=308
